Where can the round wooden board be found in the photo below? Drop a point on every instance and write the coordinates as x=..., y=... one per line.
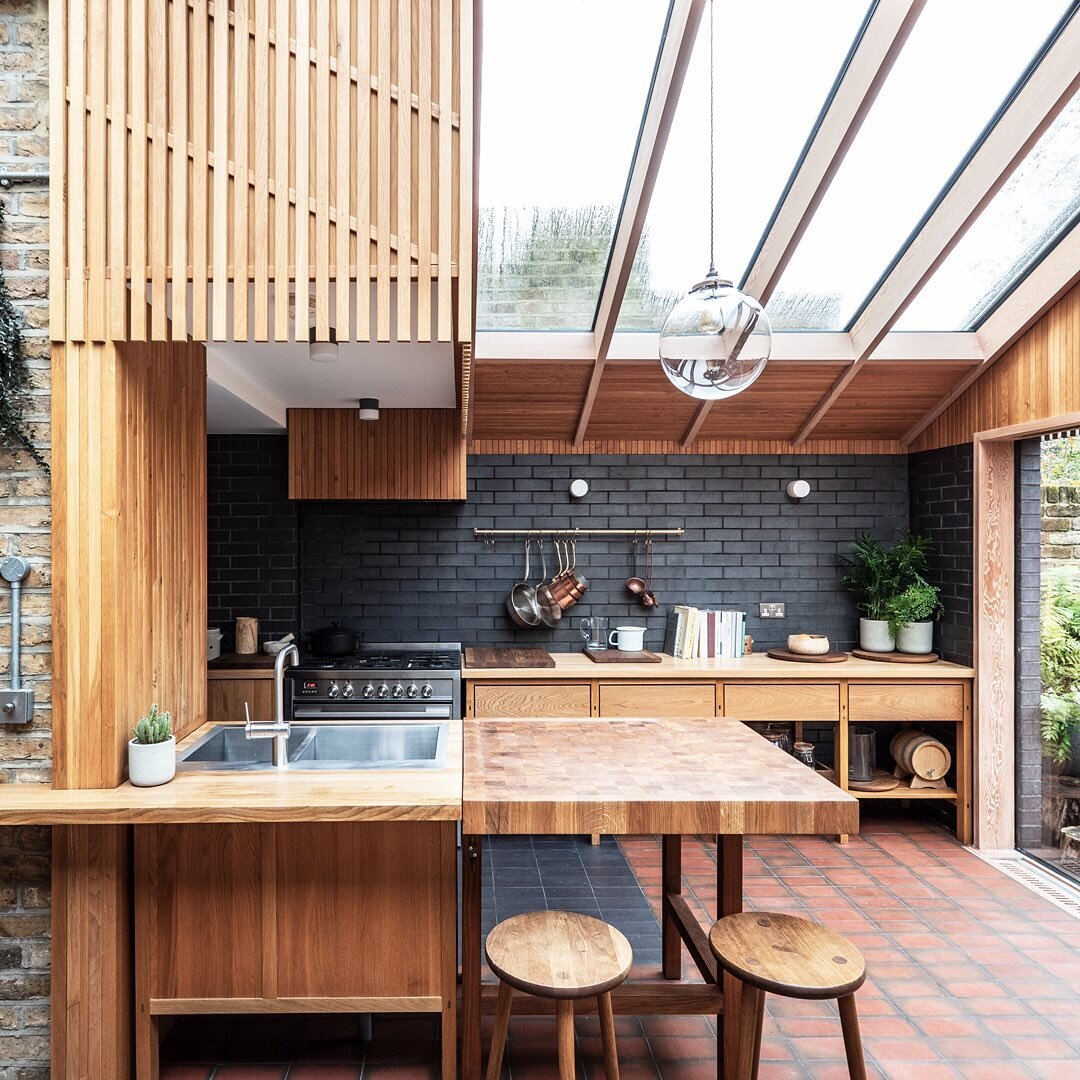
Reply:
x=822, y=658
x=882, y=781
x=896, y=657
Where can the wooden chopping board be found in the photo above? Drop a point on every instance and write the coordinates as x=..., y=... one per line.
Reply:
x=614, y=656
x=508, y=658
x=822, y=658
x=896, y=657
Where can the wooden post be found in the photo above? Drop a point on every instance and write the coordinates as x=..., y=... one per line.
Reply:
x=729, y=885
x=472, y=867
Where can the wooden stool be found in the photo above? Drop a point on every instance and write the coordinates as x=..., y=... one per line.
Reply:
x=560, y=955
x=792, y=957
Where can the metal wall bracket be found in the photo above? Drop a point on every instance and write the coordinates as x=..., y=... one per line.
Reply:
x=16, y=706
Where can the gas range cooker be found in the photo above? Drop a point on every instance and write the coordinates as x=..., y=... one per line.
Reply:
x=379, y=681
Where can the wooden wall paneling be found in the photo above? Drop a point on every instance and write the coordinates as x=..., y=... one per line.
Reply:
x=220, y=236
x=446, y=194
x=323, y=168
x=301, y=151
x=422, y=181
x=178, y=125
x=76, y=151
x=404, y=179
x=137, y=204
x=467, y=222
x=344, y=153
x=96, y=171
x=158, y=186
x=283, y=128
x=261, y=231
x=240, y=103
x=200, y=170
x=362, y=174
x=118, y=160
x=382, y=173
x=58, y=142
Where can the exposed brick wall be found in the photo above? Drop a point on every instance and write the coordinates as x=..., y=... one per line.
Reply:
x=1060, y=512
x=25, y=519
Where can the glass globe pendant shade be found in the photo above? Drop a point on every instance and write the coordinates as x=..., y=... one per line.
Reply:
x=716, y=341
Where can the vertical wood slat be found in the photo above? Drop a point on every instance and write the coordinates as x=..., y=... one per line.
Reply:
x=117, y=184
x=446, y=164
x=136, y=208
x=404, y=172
x=364, y=162
x=157, y=193
x=423, y=180
x=96, y=177
x=200, y=33
x=76, y=189
x=466, y=224
x=382, y=177
x=240, y=175
x=261, y=238
x=282, y=130
x=220, y=239
x=303, y=121
x=343, y=191
x=178, y=119
x=322, y=178
x=58, y=149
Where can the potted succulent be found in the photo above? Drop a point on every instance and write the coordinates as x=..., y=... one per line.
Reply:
x=911, y=617
x=152, y=752
x=878, y=573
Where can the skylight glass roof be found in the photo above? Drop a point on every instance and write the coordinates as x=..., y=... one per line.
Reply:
x=564, y=86
x=1037, y=205
x=958, y=66
x=763, y=121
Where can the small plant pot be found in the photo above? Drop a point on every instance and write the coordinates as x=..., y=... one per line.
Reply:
x=874, y=636
x=916, y=637
x=151, y=764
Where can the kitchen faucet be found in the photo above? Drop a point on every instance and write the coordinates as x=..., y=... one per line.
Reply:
x=279, y=728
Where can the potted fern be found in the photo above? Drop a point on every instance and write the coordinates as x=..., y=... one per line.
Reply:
x=911, y=617
x=152, y=751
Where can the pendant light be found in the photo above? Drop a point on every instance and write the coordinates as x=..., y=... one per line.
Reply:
x=322, y=351
x=717, y=339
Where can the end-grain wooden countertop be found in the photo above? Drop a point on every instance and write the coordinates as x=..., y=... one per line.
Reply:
x=575, y=665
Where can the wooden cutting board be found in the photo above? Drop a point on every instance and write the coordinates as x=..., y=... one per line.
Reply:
x=614, y=656
x=896, y=657
x=821, y=658
x=508, y=658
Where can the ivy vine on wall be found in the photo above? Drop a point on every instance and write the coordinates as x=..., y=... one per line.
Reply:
x=14, y=374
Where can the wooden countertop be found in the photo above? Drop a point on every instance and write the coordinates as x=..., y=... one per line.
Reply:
x=757, y=666
x=641, y=776
x=293, y=795
x=234, y=666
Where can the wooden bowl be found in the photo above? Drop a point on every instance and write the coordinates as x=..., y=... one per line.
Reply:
x=808, y=644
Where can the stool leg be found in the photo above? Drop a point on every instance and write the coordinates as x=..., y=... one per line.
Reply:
x=849, y=1022
x=564, y=1012
x=498, y=1035
x=607, y=1037
x=751, y=1021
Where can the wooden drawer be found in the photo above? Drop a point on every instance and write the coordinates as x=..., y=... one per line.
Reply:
x=782, y=701
x=532, y=699
x=658, y=699
x=906, y=701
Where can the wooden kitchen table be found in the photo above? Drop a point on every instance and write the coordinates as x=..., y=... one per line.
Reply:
x=670, y=777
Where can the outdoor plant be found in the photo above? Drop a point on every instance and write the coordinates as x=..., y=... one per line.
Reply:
x=1060, y=660
x=919, y=602
x=878, y=574
x=155, y=727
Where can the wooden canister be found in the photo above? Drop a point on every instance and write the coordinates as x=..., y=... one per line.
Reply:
x=919, y=753
x=247, y=635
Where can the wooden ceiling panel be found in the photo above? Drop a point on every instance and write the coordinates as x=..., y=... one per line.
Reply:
x=520, y=399
x=636, y=401
x=772, y=408
x=886, y=398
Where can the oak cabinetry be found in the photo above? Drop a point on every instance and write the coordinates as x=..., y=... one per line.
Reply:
x=782, y=701
x=881, y=701
x=225, y=699
x=523, y=700
x=663, y=699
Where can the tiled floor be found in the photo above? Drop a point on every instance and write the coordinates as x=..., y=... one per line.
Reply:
x=971, y=975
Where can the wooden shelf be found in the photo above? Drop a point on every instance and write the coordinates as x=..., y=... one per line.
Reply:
x=904, y=791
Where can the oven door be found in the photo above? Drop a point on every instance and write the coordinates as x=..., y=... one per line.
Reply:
x=314, y=711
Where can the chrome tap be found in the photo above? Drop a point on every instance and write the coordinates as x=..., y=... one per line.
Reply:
x=279, y=728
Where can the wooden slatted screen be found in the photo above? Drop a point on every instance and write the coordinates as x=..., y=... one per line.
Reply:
x=210, y=150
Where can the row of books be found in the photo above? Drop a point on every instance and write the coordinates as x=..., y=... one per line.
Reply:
x=697, y=634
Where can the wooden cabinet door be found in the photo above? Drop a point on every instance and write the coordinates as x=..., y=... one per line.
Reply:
x=661, y=699
x=782, y=701
x=225, y=699
x=906, y=701
x=542, y=699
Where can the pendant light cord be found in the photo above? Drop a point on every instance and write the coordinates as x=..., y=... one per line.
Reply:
x=712, y=143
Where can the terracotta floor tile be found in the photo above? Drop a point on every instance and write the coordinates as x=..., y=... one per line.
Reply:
x=186, y=1072
x=325, y=1072
x=250, y=1072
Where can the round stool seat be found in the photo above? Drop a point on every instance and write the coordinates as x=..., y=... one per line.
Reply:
x=786, y=955
x=558, y=954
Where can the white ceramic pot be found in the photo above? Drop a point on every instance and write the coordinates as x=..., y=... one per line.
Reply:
x=628, y=638
x=874, y=636
x=808, y=644
x=151, y=764
x=916, y=637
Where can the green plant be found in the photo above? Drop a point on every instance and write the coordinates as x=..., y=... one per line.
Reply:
x=917, y=603
x=155, y=727
x=1060, y=660
x=877, y=573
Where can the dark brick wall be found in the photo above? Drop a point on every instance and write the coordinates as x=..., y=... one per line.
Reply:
x=1029, y=757
x=252, y=535
x=940, y=487
x=407, y=570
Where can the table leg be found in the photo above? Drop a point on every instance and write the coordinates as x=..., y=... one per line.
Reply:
x=472, y=865
x=729, y=886
x=672, y=878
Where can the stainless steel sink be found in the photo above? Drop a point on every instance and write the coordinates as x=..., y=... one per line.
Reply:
x=360, y=745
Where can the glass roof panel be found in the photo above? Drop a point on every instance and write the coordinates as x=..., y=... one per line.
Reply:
x=1024, y=220
x=762, y=124
x=959, y=64
x=564, y=88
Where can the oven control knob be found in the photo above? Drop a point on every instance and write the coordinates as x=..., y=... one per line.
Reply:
x=384, y=690
x=333, y=690
x=368, y=691
x=425, y=690
x=410, y=690
x=347, y=690
x=398, y=690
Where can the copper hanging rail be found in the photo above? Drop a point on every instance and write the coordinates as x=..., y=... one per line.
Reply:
x=492, y=534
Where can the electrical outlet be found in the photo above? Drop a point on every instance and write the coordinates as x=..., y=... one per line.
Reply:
x=771, y=611
x=16, y=706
